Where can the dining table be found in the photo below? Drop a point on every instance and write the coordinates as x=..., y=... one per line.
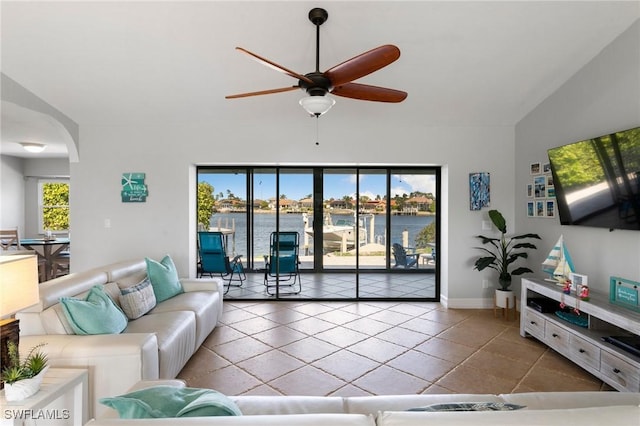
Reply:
x=47, y=249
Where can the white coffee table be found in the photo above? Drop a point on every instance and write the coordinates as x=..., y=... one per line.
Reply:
x=62, y=400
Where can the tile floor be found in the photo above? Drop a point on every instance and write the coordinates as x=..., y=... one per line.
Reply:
x=396, y=284
x=374, y=348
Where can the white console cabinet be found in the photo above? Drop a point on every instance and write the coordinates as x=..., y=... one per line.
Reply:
x=584, y=345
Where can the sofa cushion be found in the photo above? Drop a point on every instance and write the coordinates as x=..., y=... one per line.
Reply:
x=271, y=404
x=97, y=314
x=201, y=303
x=176, y=335
x=595, y=416
x=138, y=299
x=553, y=400
x=164, y=278
x=374, y=404
x=170, y=401
x=262, y=420
x=469, y=406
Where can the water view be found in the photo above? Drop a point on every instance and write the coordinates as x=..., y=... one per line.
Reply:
x=265, y=223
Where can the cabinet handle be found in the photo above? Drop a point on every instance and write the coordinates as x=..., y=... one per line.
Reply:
x=533, y=323
x=554, y=335
x=615, y=370
x=581, y=351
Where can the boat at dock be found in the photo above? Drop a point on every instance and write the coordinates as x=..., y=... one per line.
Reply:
x=340, y=235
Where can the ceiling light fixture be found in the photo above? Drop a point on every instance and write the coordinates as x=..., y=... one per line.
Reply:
x=317, y=105
x=33, y=147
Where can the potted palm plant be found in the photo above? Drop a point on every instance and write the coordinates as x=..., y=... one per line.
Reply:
x=501, y=253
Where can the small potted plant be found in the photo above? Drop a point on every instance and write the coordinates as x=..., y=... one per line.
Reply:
x=23, y=378
x=501, y=254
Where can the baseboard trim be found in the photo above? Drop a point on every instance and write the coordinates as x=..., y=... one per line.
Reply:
x=465, y=303
x=469, y=303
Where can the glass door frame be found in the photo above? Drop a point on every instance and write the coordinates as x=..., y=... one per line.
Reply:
x=253, y=265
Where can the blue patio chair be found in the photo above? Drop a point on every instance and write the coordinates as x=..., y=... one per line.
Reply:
x=281, y=266
x=402, y=258
x=214, y=260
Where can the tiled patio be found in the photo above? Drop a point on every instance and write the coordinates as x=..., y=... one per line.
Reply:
x=397, y=284
x=374, y=348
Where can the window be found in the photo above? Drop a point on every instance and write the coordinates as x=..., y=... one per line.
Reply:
x=53, y=212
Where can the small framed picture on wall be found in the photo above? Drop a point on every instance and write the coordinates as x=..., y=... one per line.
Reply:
x=479, y=190
x=550, y=208
x=535, y=168
x=529, y=190
x=530, y=209
x=540, y=186
x=551, y=192
x=540, y=211
x=546, y=168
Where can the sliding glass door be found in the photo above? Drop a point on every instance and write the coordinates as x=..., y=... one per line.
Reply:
x=413, y=218
x=362, y=222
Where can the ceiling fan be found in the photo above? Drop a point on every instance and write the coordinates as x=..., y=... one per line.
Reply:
x=337, y=80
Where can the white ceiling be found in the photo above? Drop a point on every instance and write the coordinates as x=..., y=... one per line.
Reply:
x=462, y=63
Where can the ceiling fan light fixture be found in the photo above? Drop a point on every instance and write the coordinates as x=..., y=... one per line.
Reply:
x=317, y=105
x=33, y=147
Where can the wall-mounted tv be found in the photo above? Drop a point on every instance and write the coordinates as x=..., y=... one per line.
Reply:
x=597, y=181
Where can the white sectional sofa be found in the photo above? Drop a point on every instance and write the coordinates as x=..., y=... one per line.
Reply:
x=156, y=345
x=540, y=408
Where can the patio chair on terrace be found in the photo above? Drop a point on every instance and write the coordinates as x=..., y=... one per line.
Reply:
x=281, y=266
x=404, y=259
x=214, y=260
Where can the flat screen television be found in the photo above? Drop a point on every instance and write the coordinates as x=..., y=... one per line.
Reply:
x=597, y=181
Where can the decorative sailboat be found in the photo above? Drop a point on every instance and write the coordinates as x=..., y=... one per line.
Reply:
x=558, y=263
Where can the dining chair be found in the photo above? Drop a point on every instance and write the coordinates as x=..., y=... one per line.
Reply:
x=10, y=244
x=9, y=239
x=61, y=265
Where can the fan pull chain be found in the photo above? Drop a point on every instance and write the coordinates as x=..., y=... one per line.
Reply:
x=317, y=130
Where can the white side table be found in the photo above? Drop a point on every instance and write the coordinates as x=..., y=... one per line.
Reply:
x=62, y=400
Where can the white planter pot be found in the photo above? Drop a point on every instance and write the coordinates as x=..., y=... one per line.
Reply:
x=505, y=296
x=23, y=389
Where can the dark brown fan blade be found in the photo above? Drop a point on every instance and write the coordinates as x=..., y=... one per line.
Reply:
x=275, y=66
x=262, y=92
x=366, y=92
x=362, y=65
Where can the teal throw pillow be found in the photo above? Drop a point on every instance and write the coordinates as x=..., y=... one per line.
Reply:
x=164, y=278
x=97, y=314
x=171, y=401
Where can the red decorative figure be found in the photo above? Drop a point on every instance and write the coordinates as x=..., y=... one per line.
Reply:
x=584, y=292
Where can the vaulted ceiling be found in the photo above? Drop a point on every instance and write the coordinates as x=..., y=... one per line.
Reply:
x=462, y=63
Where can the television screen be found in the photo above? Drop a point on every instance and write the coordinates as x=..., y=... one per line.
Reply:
x=597, y=181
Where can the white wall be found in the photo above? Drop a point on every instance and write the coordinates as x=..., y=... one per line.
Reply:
x=601, y=98
x=168, y=154
x=12, y=188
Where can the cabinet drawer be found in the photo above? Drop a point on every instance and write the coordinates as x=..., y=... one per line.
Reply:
x=583, y=352
x=557, y=337
x=622, y=372
x=534, y=323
